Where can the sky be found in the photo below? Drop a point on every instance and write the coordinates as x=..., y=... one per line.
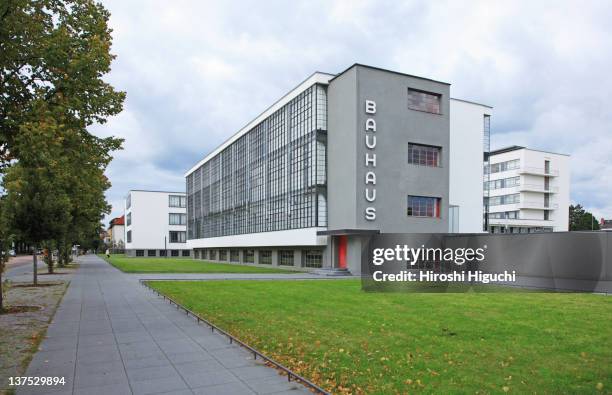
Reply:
x=195, y=72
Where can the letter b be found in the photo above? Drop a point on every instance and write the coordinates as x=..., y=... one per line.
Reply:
x=370, y=107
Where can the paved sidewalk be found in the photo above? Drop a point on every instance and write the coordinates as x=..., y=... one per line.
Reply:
x=112, y=336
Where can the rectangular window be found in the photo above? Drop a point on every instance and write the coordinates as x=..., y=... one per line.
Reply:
x=503, y=166
x=177, y=201
x=151, y=253
x=423, y=206
x=223, y=255
x=213, y=255
x=129, y=236
x=424, y=101
x=265, y=257
x=505, y=199
x=129, y=219
x=186, y=253
x=178, y=236
x=177, y=219
x=162, y=253
x=234, y=256
x=139, y=252
x=312, y=258
x=174, y=252
x=249, y=256
x=285, y=257
x=128, y=201
x=424, y=155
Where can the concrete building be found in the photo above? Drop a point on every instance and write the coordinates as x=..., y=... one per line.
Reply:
x=156, y=224
x=527, y=191
x=116, y=233
x=340, y=156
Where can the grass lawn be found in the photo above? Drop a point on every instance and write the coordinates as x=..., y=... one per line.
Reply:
x=347, y=340
x=181, y=265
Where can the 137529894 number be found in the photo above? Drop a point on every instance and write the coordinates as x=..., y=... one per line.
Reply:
x=18, y=381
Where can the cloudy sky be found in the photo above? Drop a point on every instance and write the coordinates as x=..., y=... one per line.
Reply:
x=197, y=71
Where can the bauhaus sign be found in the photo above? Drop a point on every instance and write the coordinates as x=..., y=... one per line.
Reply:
x=370, y=160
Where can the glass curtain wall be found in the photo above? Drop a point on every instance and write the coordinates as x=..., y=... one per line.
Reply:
x=271, y=178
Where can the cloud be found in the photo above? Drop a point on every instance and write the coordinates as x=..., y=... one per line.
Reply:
x=196, y=72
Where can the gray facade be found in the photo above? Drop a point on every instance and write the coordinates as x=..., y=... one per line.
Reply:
x=396, y=127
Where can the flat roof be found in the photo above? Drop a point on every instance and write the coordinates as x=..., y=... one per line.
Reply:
x=388, y=71
x=471, y=102
x=518, y=147
x=315, y=78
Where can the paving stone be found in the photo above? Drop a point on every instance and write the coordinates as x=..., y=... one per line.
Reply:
x=112, y=336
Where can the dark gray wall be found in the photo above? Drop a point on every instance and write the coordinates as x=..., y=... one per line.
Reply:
x=396, y=127
x=558, y=255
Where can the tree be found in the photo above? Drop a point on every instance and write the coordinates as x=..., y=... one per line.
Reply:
x=56, y=51
x=580, y=219
x=53, y=55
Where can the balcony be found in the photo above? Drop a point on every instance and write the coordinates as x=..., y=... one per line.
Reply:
x=537, y=188
x=538, y=171
x=538, y=205
x=520, y=222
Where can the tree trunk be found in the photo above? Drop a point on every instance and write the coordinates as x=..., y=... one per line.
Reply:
x=1, y=286
x=49, y=260
x=35, y=268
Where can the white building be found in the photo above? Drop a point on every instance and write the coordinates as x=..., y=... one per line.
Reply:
x=156, y=224
x=470, y=131
x=527, y=191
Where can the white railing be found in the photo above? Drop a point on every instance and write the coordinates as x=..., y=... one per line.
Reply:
x=538, y=205
x=538, y=170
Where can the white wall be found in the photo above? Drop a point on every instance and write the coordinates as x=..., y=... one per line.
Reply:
x=118, y=234
x=150, y=221
x=287, y=238
x=466, y=163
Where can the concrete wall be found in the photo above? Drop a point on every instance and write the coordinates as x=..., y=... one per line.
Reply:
x=466, y=163
x=397, y=126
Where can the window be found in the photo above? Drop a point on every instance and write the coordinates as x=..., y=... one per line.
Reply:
x=234, y=256
x=174, y=253
x=249, y=256
x=285, y=257
x=503, y=183
x=128, y=201
x=162, y=253
x=129, y=219
x=178, y=236
x=177, y=201
x=213, y=255
x=177, y=219
x=424, y=101
x=424, y=155
x=151, y=253
x=503, y=166
x=186, y=253
x=422, y=206
x=265, y=257
x=129, y=236
x=223, y=255
x=504, y=199
x=312, y=258
x=505, y=215
x=139, y=252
